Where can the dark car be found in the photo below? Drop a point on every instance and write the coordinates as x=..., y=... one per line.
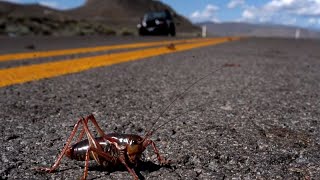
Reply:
x=157, y=23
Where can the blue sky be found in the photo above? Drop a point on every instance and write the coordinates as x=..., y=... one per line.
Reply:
x=304, y=13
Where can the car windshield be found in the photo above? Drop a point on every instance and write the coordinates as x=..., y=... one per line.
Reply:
x=155, y=15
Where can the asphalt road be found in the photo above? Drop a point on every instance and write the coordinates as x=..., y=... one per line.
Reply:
x=42, y=43
x=260, y=120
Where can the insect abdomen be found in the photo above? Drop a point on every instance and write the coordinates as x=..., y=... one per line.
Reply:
x=78, y=151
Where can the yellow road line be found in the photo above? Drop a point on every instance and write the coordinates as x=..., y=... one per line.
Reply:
x=41, y=54
x=23, y=74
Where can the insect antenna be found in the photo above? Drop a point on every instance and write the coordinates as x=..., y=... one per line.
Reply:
x=182, y=94
x=181, y=114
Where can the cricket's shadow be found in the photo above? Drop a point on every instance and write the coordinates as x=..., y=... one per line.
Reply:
x=147, y=166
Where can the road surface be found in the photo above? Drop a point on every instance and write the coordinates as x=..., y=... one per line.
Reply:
x=258, y=118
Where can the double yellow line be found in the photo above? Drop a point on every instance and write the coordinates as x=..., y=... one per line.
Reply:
x=43, y=54
x=16, y=75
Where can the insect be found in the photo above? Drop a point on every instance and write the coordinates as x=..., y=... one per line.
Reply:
x=171, y=46
x=113, y=149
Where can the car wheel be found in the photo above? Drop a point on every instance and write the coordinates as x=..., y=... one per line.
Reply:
x=141, y=33
x=172, y=30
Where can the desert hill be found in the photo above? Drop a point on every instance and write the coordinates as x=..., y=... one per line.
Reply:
x=126, y=12
x=94, y=17
x=28, y=11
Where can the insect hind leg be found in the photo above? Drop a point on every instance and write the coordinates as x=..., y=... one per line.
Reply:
x=64, y=150
x=98, y=152
x=85, y=129
x=95, y=123
x=92, y=141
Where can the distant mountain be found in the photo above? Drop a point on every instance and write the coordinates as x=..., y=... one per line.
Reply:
x=257, y=30
x=94, y=17
x=12, y=10
x=126, y=12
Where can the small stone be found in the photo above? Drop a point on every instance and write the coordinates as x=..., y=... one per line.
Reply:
x=227, y=107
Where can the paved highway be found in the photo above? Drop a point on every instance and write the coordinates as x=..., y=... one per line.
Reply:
x=21, y=74
x=259, y=117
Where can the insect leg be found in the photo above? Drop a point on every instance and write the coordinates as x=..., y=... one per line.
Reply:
x=80, y=135
x=94, y=147
x=131, y=171
x=57, y=162
x=92, y=141
x=94, y=122
x=99, y=152
x=100, y=131
x=91, y=149
x=161, y=160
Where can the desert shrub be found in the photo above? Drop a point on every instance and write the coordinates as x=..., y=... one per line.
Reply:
x=126, y=32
